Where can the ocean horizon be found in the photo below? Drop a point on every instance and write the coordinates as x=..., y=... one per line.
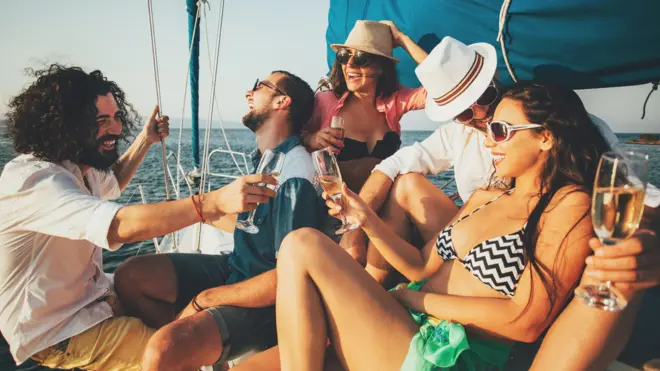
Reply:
x=235, y=125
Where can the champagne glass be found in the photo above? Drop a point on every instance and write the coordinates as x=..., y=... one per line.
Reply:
x=338, y=123
x=616, y=211
x=271, y=163
x=329, y=177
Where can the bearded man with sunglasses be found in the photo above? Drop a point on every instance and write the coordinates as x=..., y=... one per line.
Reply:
x=225, y=303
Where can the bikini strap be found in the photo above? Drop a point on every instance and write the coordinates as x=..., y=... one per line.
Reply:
x=481, y=207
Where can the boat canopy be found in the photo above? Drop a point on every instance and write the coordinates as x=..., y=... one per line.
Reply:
x=580, y=43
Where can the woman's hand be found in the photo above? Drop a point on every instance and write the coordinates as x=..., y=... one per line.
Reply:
x=324, y=138
x=397, y=35
x=631, y=265
x=350, y=205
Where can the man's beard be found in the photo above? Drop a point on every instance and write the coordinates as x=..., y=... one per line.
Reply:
x=94, y=156
x=253, y=119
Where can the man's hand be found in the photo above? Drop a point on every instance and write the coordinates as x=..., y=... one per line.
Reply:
x=155, y=128
x=355, y=243
x=243, y=194
x=631, y=265
x=326, y=137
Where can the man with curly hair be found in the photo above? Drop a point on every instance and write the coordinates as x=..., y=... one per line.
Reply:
x=57, y=306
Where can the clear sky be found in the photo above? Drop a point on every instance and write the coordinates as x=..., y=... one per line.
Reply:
x=258, y=36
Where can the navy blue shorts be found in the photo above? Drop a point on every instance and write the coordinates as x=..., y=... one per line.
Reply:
x=242, y=329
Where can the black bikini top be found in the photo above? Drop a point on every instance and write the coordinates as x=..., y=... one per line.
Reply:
x=384, y=148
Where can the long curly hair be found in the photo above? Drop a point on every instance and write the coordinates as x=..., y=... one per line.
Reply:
x=572, y=161
x=55, y=118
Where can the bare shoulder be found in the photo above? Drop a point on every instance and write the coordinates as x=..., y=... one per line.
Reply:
x=569, y=198
x=568, y=214
x=481, y=196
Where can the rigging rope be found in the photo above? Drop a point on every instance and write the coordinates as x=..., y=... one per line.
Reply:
x=500, y=37
x=185, y=95
x=154, y=54
x=212, y=99
x=653, y=88
x=222, y=127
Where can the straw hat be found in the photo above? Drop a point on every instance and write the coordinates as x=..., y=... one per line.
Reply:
x=371, y=37
x=455, y=75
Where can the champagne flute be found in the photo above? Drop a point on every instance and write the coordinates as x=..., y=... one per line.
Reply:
x=271, y=163
x=338, y=123
x=616, y=211
x=329, y=177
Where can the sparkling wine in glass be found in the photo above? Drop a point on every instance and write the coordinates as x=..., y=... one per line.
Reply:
x=271, y=163
x=616, y=211
x=338, y=123
x=329, y=178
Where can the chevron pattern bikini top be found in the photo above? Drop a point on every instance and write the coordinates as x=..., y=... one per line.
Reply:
x=497, y=262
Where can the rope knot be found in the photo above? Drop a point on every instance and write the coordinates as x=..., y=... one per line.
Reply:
x=654, y=87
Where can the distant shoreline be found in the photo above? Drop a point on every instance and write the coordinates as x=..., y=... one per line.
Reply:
x=233, y=126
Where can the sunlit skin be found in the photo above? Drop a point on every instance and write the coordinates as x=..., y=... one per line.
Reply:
x=259, y=99
x=527, y=149
x=363, y=122
x=316, y=271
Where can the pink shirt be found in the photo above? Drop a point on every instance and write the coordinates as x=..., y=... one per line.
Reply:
x=401, y=101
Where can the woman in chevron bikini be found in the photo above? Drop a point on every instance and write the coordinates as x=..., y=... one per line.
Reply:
x=499, y=272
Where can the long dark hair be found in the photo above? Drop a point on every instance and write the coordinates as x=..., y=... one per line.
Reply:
x=386, y=85
x=572, y=161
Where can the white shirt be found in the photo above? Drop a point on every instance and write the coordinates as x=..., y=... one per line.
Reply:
x=463, y=148
x=452, y=144
x=51, y=269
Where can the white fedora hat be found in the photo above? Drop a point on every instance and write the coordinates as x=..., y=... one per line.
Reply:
x=455, y=75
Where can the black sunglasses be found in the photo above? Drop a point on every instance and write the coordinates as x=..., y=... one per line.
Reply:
x=488, y=97
x=360, y=58
x=259, y=83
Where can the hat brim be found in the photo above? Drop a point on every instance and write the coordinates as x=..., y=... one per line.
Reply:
x=365, y=49
x=472, y=93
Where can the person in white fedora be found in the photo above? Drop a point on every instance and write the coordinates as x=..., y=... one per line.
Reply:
x=469, y=95
x=461, y=84
x=367, y=97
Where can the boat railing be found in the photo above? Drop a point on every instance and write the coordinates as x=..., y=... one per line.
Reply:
x=243, y=170
x=246, y=170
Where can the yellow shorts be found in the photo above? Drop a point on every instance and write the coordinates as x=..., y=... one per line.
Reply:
x=114, y=344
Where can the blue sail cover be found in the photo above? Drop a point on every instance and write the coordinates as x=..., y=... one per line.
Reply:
x=581, y=43
x=193, y=42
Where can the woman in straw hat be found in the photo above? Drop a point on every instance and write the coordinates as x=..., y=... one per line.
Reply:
x=366, y=95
